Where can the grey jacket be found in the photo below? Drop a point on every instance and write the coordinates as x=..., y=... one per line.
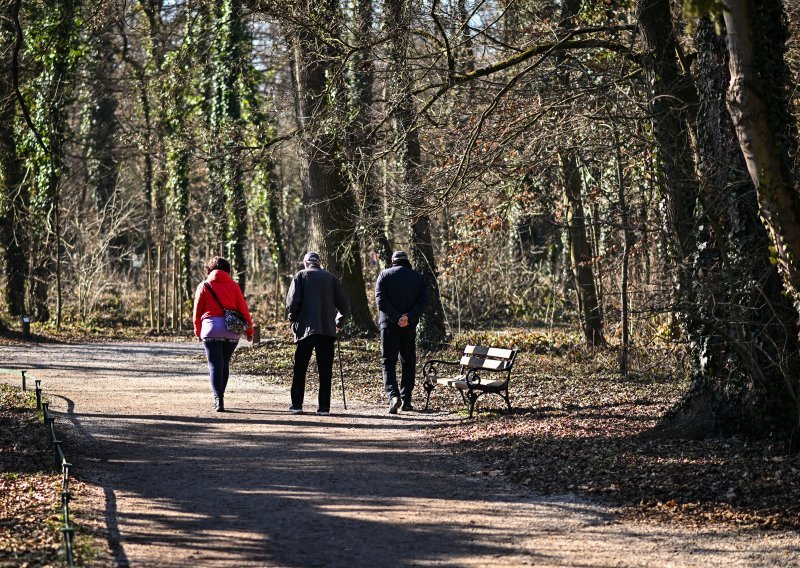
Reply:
x=316, y=303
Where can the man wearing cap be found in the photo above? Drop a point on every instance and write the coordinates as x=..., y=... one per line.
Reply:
x=316, y=304
x=402, y=297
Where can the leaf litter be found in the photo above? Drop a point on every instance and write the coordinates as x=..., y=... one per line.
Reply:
x=30, y=493
x=579, y=427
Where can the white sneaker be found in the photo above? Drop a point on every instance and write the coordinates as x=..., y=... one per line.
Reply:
x=296, y=410
x=395, y=404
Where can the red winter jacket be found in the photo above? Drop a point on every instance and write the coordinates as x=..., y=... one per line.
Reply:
x=228, y=292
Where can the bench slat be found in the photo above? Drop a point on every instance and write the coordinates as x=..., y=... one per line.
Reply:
x=484, y=385
x=493, y=352
x=479, y=363
x=449, y=381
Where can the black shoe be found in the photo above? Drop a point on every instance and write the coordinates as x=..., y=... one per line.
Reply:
x=407, y=407
x=219, y=404
x=296, y=409
x=323, y=412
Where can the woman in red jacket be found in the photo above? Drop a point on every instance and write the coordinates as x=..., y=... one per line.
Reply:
x=209, y=323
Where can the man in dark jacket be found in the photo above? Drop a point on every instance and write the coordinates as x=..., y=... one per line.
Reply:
x=402, y=297
x=315, y=304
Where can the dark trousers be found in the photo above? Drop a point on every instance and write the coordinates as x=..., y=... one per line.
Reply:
x=398, y=341
x=219, y=355
x=323, y=346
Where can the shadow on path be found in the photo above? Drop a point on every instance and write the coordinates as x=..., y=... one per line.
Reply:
x=257, y=486
x=287, y=492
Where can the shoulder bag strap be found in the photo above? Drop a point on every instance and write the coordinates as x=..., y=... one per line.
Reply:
x=210, y=289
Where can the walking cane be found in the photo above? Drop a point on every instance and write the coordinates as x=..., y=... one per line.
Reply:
x=341, y=373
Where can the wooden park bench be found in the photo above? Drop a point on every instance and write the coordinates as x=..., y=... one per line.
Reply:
x=481, y=370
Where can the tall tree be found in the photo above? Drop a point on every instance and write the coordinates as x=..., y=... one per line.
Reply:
x=148, y=69
x=101, y=124
x=14, y=193
x=580, y=252
x=758, y=104
x=53, y=46
x=397, y=26
x=229, y=57
x=329, y=204
x=363, y=169
x=266, y=196
x=673, y=103
x=742, y=329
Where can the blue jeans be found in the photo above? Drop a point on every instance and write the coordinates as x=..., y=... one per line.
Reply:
x=323, y=346
x=219, y=355
x=399, y=342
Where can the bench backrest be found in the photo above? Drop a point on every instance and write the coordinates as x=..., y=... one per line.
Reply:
x=495, y=358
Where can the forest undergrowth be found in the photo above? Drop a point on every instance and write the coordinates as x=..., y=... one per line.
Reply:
x=578, y=427
x=30, y=493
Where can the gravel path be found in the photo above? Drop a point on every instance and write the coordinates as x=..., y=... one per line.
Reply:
x=180, y=485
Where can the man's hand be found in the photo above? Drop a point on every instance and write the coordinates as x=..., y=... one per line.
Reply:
x=248, y=337
x=403, y=321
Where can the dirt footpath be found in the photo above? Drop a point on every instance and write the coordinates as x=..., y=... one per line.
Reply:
x=256, y=486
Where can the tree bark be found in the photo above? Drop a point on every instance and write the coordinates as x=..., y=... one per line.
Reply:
x=51, y=99
x=757, y=102
x=580, y=253
x=229, y=59
x=627, y=243
x=279, y=256
x=14, y=196
x=431, y=332
x=361, y=145
x=101, y=158
x=581, y=256
x=742, y=329
x=672, y=106
x=329, y=203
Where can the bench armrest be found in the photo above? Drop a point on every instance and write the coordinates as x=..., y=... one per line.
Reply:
x=430, y=366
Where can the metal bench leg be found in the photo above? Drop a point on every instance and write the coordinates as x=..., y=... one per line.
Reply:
x=473, y=397
x=428, y=390
x=508, y=401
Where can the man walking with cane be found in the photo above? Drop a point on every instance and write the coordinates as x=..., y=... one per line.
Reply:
x=402, y=297
x=316, y=304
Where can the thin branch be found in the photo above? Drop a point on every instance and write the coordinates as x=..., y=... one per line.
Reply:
x=451, y=63
x=15, y=75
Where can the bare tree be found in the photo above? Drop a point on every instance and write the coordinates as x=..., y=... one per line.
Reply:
x=329, y=203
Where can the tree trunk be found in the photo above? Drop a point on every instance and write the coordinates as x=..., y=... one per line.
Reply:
x=672, y=107
x=758, y=105
x=329, y=203
x=581, y=253
x=14, y=196
x=431, y=332
x=230, y=51
x=580, y=249
x=101, y=157
x=627, y=243
x=51, y=97
x=279, y=256
x=153, y=115
x=743, y=329
x=364, y=176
